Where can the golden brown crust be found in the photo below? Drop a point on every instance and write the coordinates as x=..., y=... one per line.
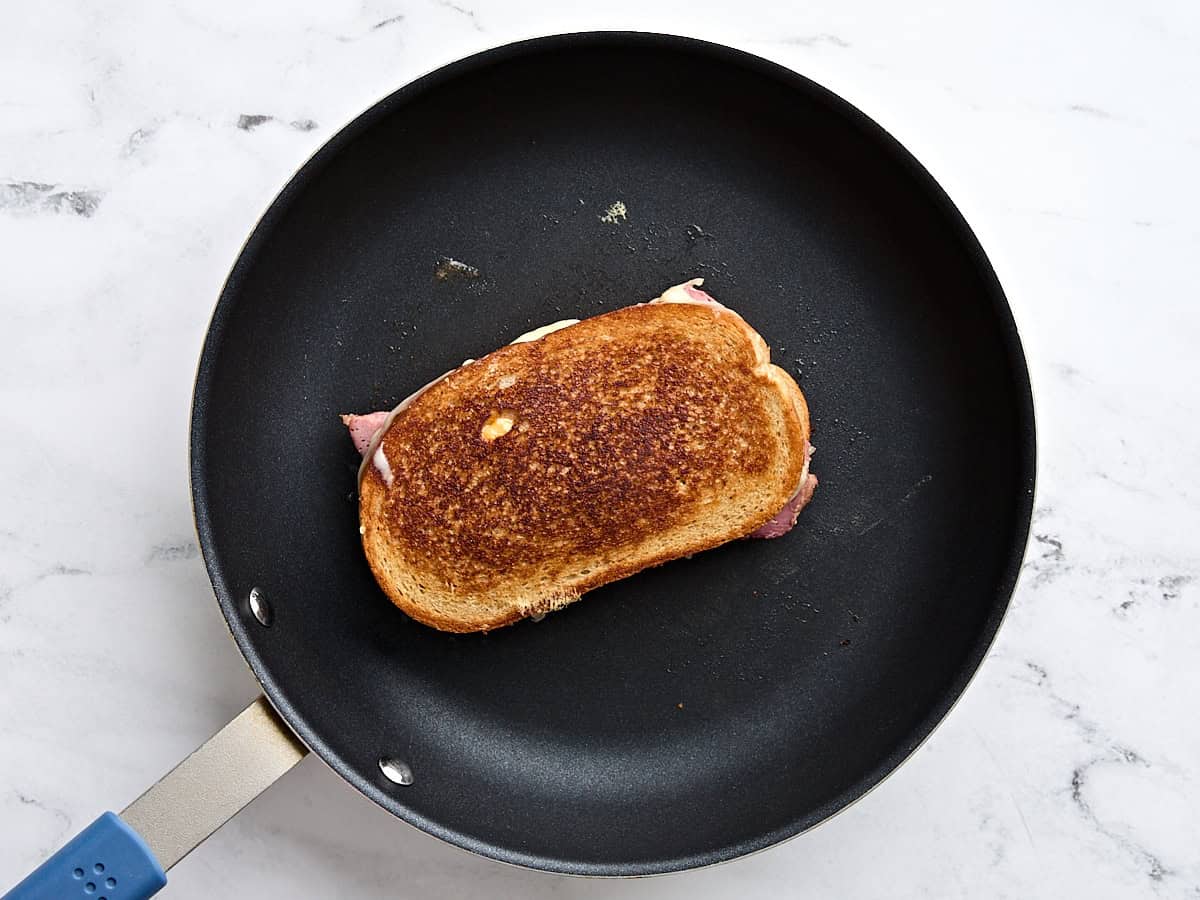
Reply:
x=643, y=423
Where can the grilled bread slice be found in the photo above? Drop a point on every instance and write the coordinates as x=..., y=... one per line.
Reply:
x=549, y=467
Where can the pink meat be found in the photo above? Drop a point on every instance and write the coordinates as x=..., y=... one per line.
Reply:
x=786, y=517
x=363, y=428
x=698, y=295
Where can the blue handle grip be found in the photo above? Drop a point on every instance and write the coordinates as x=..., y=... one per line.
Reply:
x=108, y=860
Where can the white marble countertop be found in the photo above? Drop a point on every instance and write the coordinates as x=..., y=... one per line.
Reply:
x=132, y=165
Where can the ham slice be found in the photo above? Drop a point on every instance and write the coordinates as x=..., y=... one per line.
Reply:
x=786, y=517
x=688, y=292
x=363, y=428
x=783, y=520
x=698, y=295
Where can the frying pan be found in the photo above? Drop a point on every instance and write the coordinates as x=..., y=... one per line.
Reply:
x=698, y=711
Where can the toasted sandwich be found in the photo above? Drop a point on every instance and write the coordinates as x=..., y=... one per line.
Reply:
x=579, y=454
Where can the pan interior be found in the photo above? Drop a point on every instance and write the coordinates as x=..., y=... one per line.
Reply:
x=709, y=707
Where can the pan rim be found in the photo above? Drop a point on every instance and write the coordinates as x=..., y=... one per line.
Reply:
x=1006, y=330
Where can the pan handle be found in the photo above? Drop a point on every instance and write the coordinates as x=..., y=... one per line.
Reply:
x=127, y=856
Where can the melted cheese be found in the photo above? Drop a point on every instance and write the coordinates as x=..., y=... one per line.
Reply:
x=539, y=333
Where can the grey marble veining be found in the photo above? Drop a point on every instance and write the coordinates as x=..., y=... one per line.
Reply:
x=139, y=143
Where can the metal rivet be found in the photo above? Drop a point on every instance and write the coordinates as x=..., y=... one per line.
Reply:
x=396, y=770
x=261, y=608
